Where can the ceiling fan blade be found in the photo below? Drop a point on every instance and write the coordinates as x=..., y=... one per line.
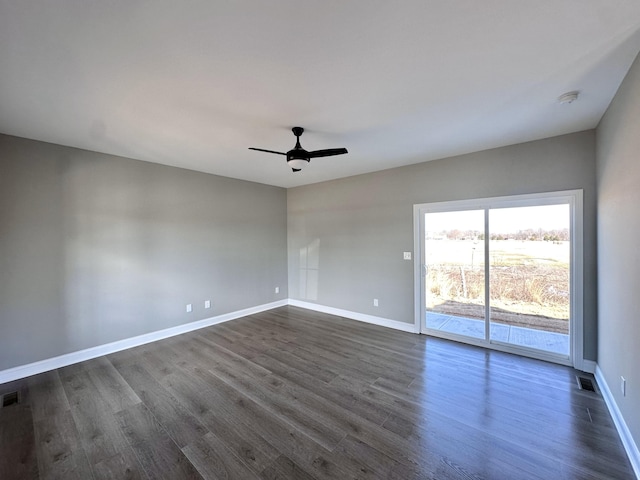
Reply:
x=268, y=151
x=327, y=152
x=296, y=169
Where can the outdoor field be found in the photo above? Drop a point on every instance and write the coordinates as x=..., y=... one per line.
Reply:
x=529, y=281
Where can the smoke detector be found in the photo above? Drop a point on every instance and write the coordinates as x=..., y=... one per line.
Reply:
x=568, y=97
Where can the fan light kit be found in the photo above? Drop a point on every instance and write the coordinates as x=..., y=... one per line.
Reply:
x=298, y=157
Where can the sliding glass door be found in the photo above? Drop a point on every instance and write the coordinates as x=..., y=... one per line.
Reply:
x=455, y=272
x=529, y=276
x=502, y=272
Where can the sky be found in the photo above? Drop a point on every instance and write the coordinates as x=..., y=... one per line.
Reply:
x=502, y=220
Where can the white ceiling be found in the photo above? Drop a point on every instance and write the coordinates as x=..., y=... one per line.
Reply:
x=195, y=83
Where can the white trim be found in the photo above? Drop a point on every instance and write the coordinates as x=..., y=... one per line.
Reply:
x=100, y=350
x=625, y=435
x=418, y=277
x=577, y=282
x=35, y=368
x=504, y=347
x=588, y=366
x=362, y=317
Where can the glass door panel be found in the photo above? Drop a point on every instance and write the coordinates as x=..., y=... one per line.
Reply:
x=529, y=255
x=455, y=272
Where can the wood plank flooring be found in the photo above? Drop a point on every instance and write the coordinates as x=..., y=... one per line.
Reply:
x=292, y=393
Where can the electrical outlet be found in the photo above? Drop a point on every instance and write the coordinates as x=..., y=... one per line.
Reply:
x=623, y=386
x=189, y=308
x=407, y=255
x=277, y=289
x=375, y=302
x=207, y=304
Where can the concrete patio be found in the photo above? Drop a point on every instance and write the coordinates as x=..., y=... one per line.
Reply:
x=521, y=336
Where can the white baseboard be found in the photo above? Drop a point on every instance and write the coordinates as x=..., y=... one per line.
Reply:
x=362, y=317
x=625, y=435
x=93, y=352
x=35, y=368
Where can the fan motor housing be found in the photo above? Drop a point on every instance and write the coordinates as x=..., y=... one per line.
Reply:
x=297, y=154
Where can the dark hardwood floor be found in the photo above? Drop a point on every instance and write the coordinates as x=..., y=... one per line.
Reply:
x=297, y=394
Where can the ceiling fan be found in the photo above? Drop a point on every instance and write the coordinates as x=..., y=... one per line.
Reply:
x=298, y=157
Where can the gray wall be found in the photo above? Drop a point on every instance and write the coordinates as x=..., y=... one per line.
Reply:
x=96, y=248
x=618, y=177
x=346, y=237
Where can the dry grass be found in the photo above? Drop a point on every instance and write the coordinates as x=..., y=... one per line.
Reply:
x=528, y=278
x=529, y=289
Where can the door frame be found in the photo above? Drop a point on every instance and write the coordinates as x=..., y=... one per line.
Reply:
x=575, y=200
